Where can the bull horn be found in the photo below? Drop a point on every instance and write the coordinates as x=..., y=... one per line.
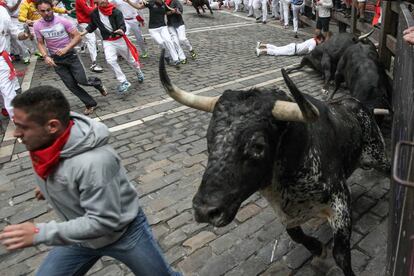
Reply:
x=381, y=111
x=301, y=111
x=198, y=102
x=366, y=35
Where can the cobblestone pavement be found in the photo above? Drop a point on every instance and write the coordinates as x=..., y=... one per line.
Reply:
x=163, y=148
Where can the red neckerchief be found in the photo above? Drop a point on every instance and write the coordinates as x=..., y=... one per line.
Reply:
x=132, y=49
x=168, y=2
x=45, y=160
x=107, y=10
x=3, y=4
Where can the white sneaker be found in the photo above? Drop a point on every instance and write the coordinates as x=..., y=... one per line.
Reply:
x=96, y=68
x=258, y=52
x=123, y=87
x=258, y=43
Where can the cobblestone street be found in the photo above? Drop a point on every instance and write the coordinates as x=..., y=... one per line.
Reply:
x=163, y=147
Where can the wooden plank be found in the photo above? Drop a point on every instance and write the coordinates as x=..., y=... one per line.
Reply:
x=338, y=16
x=383, y=51
x=360, y=27
x=395, y=6
x=307, y=21
x=391, y=43
x=353, y=19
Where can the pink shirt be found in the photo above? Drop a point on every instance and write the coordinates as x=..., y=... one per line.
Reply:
x=55, y=33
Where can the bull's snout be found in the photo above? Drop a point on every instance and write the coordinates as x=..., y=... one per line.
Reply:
x=204, y=212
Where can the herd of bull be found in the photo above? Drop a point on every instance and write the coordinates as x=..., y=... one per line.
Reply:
x=355, y=61
x=296, y=150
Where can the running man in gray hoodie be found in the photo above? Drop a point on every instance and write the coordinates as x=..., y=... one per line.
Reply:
x=81, y=176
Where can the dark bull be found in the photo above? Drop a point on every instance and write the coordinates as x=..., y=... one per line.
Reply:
x=297, y=154
x=364, y=76
x=325, y=57
x=200, y=4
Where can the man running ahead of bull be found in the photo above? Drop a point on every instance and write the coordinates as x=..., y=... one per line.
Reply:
x=82, y=178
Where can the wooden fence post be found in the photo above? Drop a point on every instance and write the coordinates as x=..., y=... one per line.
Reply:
x=354, y=17
x=384, y=53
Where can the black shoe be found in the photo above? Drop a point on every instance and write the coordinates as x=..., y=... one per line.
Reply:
x=89, y=110
x=167, y=60
x=296, y=35
x=258, y=18
x=102, y=90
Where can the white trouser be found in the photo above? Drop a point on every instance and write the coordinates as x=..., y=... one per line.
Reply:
x=133, y=28
x=214, y=5
x=250, y=7
x=114, y=48
x=275, y=8
x=236, y=4
x=295, y=12
x=7, y=87
x=179, y=38
x=284, y=9
x=20, y=46
x=90, y=40
x=25, y=46
x=287, y=50
x=263, y=4
x=163, y=38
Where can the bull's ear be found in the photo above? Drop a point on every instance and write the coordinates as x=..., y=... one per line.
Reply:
x=309, y=111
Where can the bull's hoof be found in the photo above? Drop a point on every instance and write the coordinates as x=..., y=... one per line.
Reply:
x=317, y=260
x=324, y=252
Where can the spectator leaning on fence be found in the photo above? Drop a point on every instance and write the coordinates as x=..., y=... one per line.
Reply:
x=82, y=178
x=323, y=8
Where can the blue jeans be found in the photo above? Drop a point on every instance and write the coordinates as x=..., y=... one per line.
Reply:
x=136, y=248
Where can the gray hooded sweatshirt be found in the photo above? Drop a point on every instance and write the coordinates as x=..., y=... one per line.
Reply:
x=89, y=190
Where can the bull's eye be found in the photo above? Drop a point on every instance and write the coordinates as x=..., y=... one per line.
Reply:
x=256, y=147
x=256, y=151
